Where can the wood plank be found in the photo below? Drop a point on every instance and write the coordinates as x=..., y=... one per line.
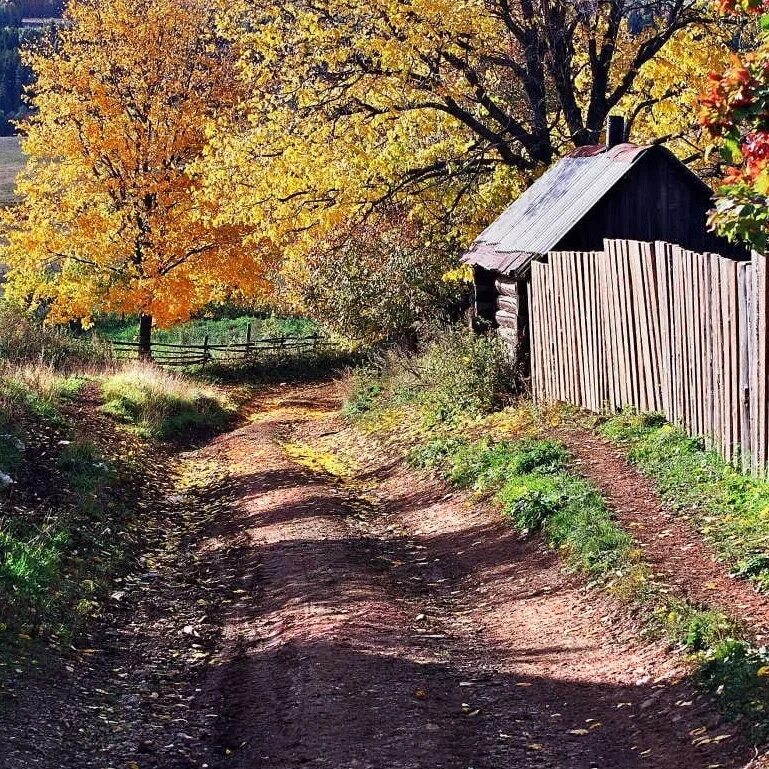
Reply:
x=662, y=274
x=506, y=287
x=727, y=414
x=608, y=336
x=714, y=301
x=743, y=350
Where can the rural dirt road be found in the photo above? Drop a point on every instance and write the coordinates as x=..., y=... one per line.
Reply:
x=366, y=620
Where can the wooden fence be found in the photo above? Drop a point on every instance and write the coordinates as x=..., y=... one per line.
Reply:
x=252, y=350
x=658, y=328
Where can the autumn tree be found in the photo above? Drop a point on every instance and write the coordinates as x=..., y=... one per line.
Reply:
x=111, y=219
x=444, y=110
x=734, y=111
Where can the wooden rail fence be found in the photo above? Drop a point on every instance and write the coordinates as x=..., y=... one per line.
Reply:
x=181, y=355
x=658, y=328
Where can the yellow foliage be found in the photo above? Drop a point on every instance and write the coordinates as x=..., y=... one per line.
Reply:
x=112, y=219
x=434, y=105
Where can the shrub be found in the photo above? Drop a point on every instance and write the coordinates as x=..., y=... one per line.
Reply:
x=162, y=404
x=26, y=340
x=464, y=374
x=379, y=282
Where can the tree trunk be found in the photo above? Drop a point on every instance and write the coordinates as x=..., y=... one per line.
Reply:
x=145, y=337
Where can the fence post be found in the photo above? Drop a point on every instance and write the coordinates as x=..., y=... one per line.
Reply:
x=248, y=340
x=205, y=350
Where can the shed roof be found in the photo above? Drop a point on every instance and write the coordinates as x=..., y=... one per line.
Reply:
x=548, y=210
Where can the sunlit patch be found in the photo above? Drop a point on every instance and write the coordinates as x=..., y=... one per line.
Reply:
x=316, y=460
x=281, y=408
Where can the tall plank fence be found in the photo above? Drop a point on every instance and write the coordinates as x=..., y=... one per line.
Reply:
x=658, y=328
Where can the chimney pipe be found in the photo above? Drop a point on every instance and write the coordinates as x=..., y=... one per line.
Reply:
x=615, y=131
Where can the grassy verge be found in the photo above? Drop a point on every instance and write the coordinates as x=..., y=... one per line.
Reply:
x=507, y=456
x=730, y=508
x=164, y=405
x=54, y=548
x=532, y=483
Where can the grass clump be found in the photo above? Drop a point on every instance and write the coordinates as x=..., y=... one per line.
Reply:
x=531, y=482
x=25, y=339
x=34, y=392
x=83, y=466
x=458, y=377
x=730, y=508
x=163, y=405
x=364, y=389
x=30, y=575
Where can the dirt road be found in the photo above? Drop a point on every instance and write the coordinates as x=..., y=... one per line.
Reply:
x=372, y=621
x=392, y=624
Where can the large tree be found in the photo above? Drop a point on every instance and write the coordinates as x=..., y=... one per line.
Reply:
x=110, y=218
x=443, y=110
x=411, y=92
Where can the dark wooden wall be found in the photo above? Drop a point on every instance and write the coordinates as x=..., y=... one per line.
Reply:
x=503, y=303
x=657, y=200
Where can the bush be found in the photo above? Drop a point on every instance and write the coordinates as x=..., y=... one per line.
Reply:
x=161, y=404
x=26, y=340
x=464, y=374
x=380, y=282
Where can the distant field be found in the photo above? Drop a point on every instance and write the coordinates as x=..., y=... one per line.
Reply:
x=218, y=331
x=11, y=162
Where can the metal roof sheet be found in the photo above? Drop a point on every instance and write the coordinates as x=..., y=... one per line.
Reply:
x=548, y=210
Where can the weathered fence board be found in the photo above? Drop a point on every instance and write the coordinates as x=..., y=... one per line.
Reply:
x=658, y=328
x=181, y=355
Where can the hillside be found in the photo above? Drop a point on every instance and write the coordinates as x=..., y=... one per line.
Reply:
x=11, y=162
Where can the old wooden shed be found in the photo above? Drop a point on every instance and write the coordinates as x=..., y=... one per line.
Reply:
x=617, y=190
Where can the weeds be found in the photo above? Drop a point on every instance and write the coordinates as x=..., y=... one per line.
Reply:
x=459, y=377
x=26, y=340
x=163, y=405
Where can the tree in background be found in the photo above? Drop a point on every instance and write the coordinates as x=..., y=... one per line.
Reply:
x=14, y=74
x=443, y=110
x=735, y=112
x=110, y=218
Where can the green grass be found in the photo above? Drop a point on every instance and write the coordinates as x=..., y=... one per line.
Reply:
x=83, y=466
x=162, y=405
x=219, y=331
x=730, y=508
x=31, y=579
x=533, y=484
